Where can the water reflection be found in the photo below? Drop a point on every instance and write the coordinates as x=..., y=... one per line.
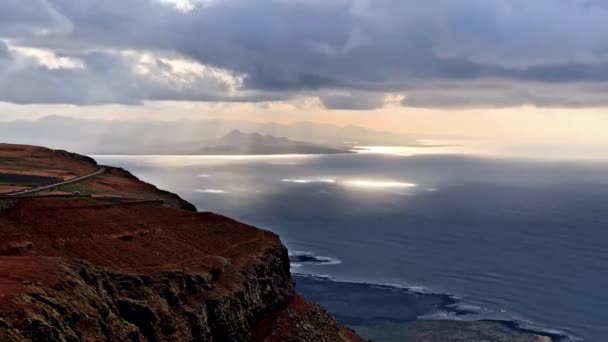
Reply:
x=376, y=184
x=407, y=151
x=362, y=183
x=211, y=191
x=307, y=181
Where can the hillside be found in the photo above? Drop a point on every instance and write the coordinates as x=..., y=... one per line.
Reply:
x=121, y=260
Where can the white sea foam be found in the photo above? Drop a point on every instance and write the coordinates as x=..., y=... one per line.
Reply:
x=440, y=315
x=310, y=258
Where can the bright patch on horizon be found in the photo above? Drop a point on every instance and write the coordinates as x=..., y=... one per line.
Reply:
x=405, y=151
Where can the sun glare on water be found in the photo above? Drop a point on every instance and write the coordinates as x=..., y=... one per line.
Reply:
x=211, y=191
x=405, y=151
x=354, y=183
x=373, y=184
x=307, y=181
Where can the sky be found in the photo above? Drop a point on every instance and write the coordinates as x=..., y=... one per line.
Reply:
x=500, y=68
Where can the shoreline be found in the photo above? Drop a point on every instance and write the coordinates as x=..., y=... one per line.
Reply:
x=431, y=303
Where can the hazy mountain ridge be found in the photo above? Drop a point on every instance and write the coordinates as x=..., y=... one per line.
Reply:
x=237, y=142
x=178, y=137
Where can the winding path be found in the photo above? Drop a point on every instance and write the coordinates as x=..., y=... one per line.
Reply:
x=47, y=187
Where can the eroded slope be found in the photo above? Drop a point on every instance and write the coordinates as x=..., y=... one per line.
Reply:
x=91, y=269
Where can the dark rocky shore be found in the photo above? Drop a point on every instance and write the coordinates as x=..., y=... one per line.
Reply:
x=388, y=313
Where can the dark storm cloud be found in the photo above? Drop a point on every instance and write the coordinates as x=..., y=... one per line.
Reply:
x=313, y=46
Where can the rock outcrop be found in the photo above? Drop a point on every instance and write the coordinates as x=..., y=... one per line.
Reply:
x=94, y=269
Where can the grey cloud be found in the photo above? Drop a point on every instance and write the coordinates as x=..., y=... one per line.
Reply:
x=565, y=72
x=286, y=46
x=353, y=101
x=107, y=78
x=504, y=94
x=5, y=54
x=20, y=18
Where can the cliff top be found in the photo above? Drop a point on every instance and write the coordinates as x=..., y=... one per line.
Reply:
x=92, y=253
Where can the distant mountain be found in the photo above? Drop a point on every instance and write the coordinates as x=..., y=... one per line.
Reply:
x=178, y=137
x=237, y=142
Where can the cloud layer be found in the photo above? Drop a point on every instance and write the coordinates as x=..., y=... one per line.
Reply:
x=349, y=53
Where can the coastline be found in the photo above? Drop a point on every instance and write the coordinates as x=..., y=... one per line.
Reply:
x=409, y=310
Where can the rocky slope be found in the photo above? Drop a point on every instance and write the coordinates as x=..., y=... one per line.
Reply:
x=26, y=166
x=130, y=264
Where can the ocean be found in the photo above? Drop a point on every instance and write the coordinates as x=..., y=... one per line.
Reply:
x=380, y=239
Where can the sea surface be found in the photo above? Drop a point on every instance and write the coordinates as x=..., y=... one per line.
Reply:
x=384, y=238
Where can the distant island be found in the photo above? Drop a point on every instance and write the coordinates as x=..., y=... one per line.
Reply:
x=237, y=142
x=194, y=137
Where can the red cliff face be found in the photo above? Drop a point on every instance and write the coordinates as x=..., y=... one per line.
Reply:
x=141, y=269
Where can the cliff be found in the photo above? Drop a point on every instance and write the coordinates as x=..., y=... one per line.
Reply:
x=123, y=261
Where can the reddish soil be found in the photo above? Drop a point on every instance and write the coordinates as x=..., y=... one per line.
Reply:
x=40, y=161
x=17, y=274
x=9, y=188
x=145, y=238
x=42, y=241
x=131, y=236
x=117, y=182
